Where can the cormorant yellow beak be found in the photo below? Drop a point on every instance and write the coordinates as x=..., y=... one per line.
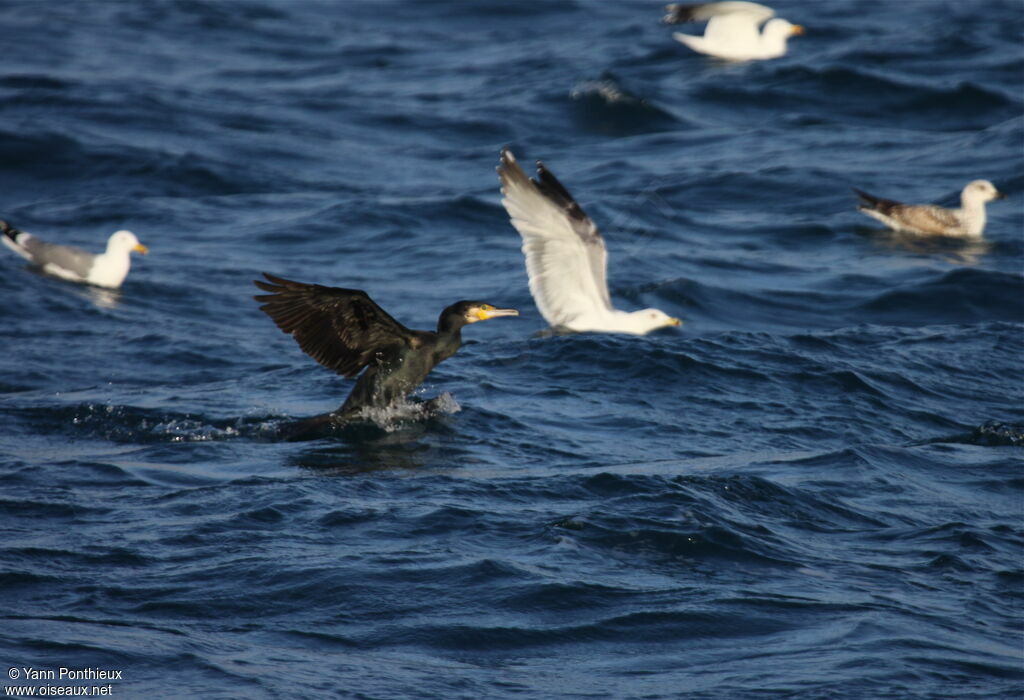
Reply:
x=797, y=30
x=675, y=322
x=488, y=312
x=141, y=249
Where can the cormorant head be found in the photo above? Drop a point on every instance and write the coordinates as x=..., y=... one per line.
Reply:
x=462, y=312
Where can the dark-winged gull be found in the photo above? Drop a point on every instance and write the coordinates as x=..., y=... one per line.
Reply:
x=345, y=331
x=732, y=30
x=932, y=220
x=566, y=260
x=106, y=269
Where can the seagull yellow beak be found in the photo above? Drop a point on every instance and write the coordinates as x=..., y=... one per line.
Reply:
x=675, y=322
x=141, y=249
x=490, y=312
x=797, y=30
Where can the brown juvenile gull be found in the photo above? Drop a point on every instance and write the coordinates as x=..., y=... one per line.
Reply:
x=932, y=220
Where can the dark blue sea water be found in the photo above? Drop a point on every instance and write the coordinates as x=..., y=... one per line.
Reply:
x=814, y=489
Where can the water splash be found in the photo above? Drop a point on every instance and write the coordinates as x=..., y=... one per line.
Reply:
x=401, y=414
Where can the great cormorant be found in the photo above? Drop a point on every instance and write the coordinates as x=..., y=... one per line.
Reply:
x=345, y=331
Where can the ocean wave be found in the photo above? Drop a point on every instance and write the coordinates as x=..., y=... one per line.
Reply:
x=128, y=170
x=895, y=101
x=970, y=296
x=606, y=106
x=989, y=434
x=130, y=424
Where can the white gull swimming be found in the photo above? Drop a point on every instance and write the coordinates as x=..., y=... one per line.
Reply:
x=106, y=269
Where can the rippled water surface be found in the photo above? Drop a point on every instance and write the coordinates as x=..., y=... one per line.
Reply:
x=813, y=489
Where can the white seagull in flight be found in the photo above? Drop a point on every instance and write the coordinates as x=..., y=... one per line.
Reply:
x=566, y=260
x=732, y=31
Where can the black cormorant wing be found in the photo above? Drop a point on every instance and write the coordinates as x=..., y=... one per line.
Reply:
x=342, y=329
